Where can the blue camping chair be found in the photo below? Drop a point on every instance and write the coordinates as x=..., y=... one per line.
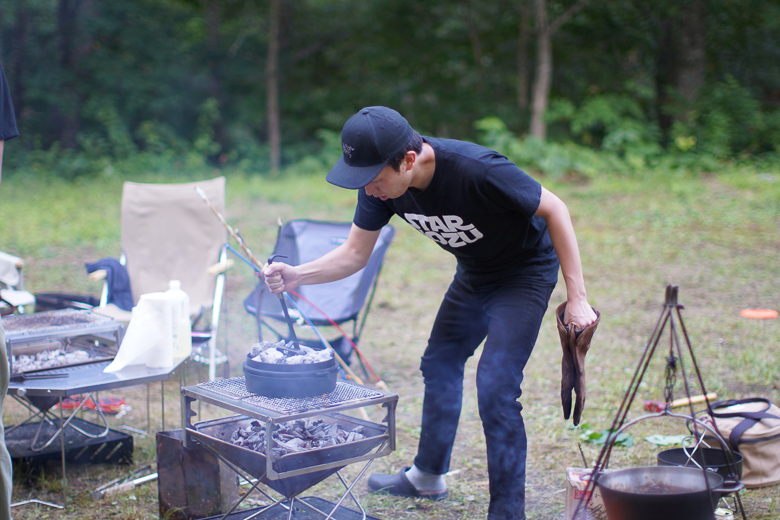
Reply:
x=342, y=301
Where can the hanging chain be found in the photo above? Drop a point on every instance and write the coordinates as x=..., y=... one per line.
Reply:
x=671, y=379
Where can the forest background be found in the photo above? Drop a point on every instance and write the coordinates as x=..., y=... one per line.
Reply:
x=658, y=123
x=562, y=87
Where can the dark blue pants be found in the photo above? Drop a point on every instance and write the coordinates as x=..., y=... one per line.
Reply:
x=509, y=317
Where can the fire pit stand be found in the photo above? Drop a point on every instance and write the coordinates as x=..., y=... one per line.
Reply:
x=289, y=474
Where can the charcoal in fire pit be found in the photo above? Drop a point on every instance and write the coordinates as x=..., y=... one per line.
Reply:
x=295, y=436
x=60, y=338
x=49, y=359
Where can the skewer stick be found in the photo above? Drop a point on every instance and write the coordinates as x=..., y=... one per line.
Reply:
x=380, y=384
x=350, y=373
x=232, y=232
x=124, y=487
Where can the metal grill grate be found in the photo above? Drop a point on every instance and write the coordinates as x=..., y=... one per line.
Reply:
x=52, y=321
x=343, y=393
x=234, y=388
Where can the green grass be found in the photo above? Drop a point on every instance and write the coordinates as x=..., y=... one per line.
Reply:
x=715, y=236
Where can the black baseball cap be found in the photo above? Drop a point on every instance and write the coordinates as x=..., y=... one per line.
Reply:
x=369, y=139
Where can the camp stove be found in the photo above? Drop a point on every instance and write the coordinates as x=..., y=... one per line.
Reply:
x=59, y=339
x=290, y=473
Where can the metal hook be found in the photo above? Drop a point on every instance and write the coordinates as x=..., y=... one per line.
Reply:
x=671, y=296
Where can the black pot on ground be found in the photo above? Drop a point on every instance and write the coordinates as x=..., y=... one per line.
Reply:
x=714, y=458
x=658, y=492
x=284, y=380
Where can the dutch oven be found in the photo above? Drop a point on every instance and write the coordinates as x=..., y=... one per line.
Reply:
x=714, y=458
x=667, y=492
x=290, y=380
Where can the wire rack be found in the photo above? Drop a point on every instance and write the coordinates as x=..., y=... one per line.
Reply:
x=343, y=394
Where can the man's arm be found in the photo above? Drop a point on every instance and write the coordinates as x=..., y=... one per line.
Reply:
x=8, y=128
x=346, y=259
x=556, y=214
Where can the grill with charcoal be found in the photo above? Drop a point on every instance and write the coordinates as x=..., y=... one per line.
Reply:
x=309, y=438
x=58, y=339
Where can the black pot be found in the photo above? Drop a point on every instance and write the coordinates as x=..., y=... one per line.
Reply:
x=283, y=380
x=713, y=458
x=665, y=492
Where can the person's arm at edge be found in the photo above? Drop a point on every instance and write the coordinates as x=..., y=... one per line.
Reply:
x=346, y=259
x=559, y=225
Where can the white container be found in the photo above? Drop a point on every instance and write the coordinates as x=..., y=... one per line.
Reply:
x=149, y=336
x=182, y=331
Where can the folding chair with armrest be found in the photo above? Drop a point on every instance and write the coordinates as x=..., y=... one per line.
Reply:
x=342, y=301
x=13, y=297
x=169, y=234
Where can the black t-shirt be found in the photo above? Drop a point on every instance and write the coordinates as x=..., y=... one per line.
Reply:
x=8, y=128
x=480, y=207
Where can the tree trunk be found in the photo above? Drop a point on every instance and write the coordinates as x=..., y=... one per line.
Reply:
x=543, y=78
x=272, y=78
x=691, y=42
x=66, y=115
x=541, y=87
x=19, y=62
x=664, y=64
x=680, y=64
x=522, y=55
x=213, y=22
x=476, y=43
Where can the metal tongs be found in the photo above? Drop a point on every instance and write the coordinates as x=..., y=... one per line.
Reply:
x=21, y=377
x=297, y=345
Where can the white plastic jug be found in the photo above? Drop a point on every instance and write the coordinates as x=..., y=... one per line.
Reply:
x=182, y=330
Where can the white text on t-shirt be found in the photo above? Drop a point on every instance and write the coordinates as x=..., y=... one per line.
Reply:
x=445, y=230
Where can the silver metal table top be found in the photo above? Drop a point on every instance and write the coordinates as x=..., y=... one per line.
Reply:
x=90, y=377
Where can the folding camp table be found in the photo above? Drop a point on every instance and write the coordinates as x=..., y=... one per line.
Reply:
x=90, y=378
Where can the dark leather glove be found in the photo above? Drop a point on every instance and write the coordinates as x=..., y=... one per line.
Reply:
x=577, y=344
x=580, y=346
x=568, y=372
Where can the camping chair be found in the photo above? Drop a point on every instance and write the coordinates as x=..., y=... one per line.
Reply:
x=168, y=233
x=341, y=301
x=13, y=297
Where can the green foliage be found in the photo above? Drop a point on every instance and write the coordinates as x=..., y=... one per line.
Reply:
x=56, y=161
x=110, y=137
x=728, y=120
x=552, y=159
x=317, y=164
x=599, y=438
x=204, y=142
x=173, y=77
x=614, y=123
x=770, y=133
x=157, y=137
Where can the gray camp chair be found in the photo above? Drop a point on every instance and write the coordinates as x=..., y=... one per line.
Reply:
x=168, y=233
x=343, y=301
